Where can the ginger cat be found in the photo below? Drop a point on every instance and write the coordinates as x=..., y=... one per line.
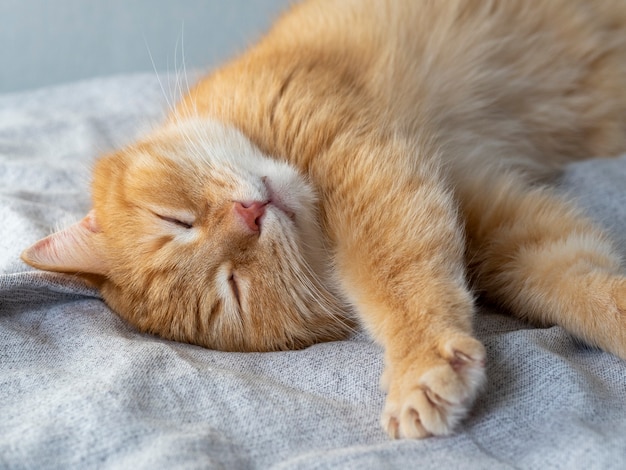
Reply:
x=382, y=161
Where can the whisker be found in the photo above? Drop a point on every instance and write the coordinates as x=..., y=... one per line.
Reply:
x=185, y=75
x=167, y=99
x=309, y=285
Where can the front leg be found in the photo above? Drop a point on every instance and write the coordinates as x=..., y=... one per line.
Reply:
x=400, y=258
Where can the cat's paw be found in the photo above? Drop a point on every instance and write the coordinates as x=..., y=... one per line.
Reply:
x=433, y=393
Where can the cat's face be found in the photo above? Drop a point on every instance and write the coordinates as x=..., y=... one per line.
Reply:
x=205, y=240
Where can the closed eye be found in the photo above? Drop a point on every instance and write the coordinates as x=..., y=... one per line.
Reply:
x=175, y=221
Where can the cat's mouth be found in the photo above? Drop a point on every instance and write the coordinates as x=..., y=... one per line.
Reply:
x=276, y=200
x=281, y=207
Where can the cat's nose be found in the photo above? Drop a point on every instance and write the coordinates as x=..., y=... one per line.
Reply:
x=251, y=213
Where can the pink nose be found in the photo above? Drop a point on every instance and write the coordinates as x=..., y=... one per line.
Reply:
x=251, y=213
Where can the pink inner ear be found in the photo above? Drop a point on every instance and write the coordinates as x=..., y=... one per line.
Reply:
x=89, y=222
x=74, y=249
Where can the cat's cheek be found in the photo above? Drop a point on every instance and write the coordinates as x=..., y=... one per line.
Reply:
x=276, y=225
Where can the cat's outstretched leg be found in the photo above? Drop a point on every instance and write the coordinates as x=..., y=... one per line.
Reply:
x=535, y=254
x=399, y=253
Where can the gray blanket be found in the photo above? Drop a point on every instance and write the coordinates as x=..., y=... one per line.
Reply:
x=79, y=388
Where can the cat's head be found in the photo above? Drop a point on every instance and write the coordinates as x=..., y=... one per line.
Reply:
x=196, y=236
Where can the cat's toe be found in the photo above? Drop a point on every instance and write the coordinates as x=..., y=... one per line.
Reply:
x=434, y=401
x=404, y=419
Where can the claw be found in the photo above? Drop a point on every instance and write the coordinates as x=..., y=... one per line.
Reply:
x=433, y=400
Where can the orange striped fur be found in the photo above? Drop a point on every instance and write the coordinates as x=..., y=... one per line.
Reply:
x=375, y=161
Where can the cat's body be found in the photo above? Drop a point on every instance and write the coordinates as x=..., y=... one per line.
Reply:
x=390, y=154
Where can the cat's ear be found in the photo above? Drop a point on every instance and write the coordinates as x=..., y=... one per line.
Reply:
x=72, y=250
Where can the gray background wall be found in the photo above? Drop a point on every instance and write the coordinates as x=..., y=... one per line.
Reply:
x=45, y=42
